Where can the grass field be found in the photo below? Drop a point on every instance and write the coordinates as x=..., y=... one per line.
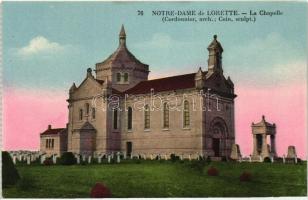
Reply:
x=161, y=179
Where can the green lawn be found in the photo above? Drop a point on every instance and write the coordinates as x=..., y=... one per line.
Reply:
x=161, y=179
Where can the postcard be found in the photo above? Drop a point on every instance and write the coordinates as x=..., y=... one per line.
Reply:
x=154, y=99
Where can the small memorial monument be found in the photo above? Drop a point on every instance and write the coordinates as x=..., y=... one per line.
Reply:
x=291, y=152
x=118, y=157
x=235, y=152
x=109, y=158
x=260, y=131
x=28, y=160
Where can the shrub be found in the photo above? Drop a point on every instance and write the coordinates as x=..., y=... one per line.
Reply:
x=197, y=165
x=212, y=171
x=174, y=158
x=58, y=160
x=83, y=162
x=245, y=177
x=201, y=157
x=232, y=160
x=48, y=162
x=278, y=159
x=224, y=159
x=26, y=183
x=137, y=161
x=100, y=191
x=208, y=159
x=267, y=160
x=10, y=175
x=68, y=158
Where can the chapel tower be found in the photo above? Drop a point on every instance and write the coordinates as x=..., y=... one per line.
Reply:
x=122, y=69
x=214, y=62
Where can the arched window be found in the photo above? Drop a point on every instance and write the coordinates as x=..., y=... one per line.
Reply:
x=49, y=143
x=186, y=115
x=125, y=77
x=166, y=116
x=146, y=117
x=46, y=143
x=87, y=108
x=115, y=119
x=118, y=77
x=93, y=113
x=52, y=143
x=130, y=118
x=80, y=114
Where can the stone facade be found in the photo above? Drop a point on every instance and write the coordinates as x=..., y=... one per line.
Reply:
x=119, y=109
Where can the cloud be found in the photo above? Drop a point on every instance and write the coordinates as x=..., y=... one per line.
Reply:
x=39, y=45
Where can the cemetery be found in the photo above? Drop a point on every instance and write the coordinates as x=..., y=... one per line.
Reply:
x=155, y=176
x=131, y=174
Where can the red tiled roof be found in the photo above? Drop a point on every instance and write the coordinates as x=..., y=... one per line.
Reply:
x=115, y=91
x=164, y=84
x=53, y=131
x=122, y=55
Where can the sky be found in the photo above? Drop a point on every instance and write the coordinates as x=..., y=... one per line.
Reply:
x=48, y=46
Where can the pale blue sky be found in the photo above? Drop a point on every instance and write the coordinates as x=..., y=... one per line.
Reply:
x=271, y=51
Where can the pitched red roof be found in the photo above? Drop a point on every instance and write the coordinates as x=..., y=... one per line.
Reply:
x=122, y=55
x=52, y=131
x=115, y=91
x=164, y=84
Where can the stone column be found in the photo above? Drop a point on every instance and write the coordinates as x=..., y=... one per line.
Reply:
x=255, y=148
x=265, y=152
x=273, y=145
